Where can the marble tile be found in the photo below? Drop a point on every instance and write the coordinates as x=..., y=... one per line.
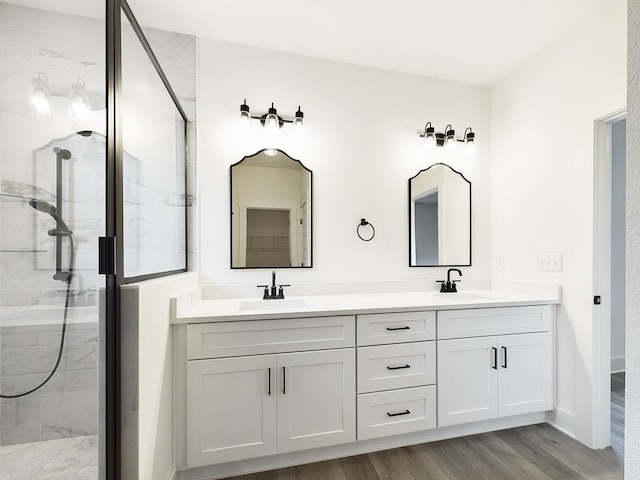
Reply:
x=76, y=334
x=22, y=336
x=71, y=414
x=69, y=381
x=18, y=361
x=20, y=420
x=65, y=459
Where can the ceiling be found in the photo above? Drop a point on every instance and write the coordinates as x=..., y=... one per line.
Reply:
x=473, y=41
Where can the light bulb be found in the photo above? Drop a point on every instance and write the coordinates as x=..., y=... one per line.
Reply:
x=271, y=152
x=298, y=121
x=41, y=104
x=78, y=108
x=271, y=123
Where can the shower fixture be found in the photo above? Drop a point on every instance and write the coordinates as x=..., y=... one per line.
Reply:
x=59, y=232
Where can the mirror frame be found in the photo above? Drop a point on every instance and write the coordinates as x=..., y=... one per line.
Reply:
x=310, y=209
x=470, y=218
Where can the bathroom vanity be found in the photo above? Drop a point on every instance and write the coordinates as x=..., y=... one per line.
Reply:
x=265, y=384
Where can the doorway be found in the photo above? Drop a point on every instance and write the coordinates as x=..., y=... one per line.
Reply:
x=609, y=276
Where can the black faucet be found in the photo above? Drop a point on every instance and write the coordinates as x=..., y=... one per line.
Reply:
x=449, y=286
x=276, y=293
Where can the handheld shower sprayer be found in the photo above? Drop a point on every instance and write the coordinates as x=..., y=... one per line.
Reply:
x=45, y=207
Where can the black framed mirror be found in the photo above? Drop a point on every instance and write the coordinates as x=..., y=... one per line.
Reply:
x=270, y=200
x=439, y=218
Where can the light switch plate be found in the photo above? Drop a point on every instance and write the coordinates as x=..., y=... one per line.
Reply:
x=550, y=263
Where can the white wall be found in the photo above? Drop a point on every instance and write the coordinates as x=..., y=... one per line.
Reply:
x=542, y=156
x=360, y=140
x=632, y=400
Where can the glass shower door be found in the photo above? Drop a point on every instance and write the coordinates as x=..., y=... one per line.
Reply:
x=52, y=211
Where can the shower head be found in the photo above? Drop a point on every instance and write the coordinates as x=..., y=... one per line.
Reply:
x=63, y=152
x=46, y=207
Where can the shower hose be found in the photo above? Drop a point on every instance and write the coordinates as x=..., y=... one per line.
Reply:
x=62, y=333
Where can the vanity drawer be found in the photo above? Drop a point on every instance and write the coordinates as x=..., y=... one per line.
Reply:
x=398, y=411
x=385, y=367
x=231, y=339
x=384, y=328
x=482, y=322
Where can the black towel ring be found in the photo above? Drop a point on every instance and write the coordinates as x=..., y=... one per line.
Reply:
x=363, y=222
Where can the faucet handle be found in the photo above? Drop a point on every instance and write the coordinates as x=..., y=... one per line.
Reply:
x=281, y=290
x=266, y=291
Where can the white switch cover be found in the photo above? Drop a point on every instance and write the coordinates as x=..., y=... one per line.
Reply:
x=500, y=262
x=549, y=263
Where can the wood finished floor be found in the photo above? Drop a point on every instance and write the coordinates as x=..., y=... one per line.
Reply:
x=537, y=452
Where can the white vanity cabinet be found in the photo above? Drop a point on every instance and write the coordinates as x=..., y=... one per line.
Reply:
x=262, y=387
x=494, y=362
x=396, y=373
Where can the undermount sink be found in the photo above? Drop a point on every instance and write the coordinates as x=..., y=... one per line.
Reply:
x=271, y=305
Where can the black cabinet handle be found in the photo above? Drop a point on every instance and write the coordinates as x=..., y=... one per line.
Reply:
x=393, y=329
x=284, y=381
x=406, y=412
x=495, y=358
x=269, y=381
x=399, y=368
x=504, y=357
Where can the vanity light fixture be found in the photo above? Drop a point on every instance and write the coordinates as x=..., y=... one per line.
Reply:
x=271, y=119
x=42, y=105
x=447, y=138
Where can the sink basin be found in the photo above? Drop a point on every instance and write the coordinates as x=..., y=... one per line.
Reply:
x=272, y=305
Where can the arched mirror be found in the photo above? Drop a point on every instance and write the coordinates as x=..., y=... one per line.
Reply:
x=439, y=218
x=270, y=211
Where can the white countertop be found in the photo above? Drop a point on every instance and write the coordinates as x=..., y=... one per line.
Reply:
x=188, y=310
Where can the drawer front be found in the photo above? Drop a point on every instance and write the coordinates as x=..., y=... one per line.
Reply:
x=398, y=411
x=482, y=322
x=384, y=328
x=230, y=339
x=385, y=367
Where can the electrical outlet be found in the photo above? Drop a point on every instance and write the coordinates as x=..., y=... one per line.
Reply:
x=549, y=263
x=500, y=263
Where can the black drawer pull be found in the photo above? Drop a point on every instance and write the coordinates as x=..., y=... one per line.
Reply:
x=504, y=357
x=495, y=358
x=399, y=368
x=406, y=412
x=393, y=329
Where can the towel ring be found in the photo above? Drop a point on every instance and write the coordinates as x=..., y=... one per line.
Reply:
x=364, y=223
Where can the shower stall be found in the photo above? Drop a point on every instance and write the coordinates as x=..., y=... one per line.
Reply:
x=91, y=197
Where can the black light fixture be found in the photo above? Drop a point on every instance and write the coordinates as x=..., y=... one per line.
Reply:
x=271, y=119
x=447, y=138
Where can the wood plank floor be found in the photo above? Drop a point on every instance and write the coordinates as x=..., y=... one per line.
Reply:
x=537, y=452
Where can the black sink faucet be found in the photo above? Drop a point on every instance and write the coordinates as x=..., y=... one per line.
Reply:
x=275, y=293
x=448, y=285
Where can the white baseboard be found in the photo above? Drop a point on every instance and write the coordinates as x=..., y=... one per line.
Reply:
x=617, y=364
x=563, y=421
x=262, y=464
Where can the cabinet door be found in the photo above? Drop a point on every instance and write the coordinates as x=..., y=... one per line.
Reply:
x=525, y=382
x=467, y=380
x=231, y=409
x=316, y=399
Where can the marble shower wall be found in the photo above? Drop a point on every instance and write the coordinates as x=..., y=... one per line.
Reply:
x=64, y=48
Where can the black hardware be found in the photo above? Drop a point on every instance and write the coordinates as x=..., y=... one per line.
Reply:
x=364, y=223
x=284, y=381
x=504, y=357
x=269, y=381
x=399, y=368
x=406, y=412
x=106, y=255
x=449, y=286
x=272, y=292
x=495, y=358
x=393, y=329
x=597, y=300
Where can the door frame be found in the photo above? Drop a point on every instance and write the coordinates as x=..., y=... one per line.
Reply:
x=601, y=320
